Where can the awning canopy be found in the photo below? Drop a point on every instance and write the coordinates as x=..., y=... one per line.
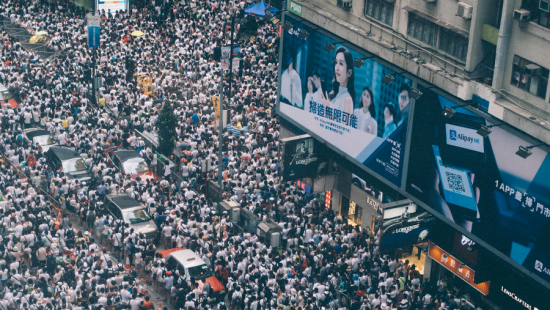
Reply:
x=259, y=9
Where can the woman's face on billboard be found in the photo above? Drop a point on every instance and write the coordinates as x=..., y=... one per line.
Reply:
x=366, y=99
x=341, y=71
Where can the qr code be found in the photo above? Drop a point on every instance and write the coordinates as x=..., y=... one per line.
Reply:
x=455, y=182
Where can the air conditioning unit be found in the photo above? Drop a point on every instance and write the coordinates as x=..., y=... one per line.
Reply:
x=544, y=5
x=522, y=15
x=532, y=70
x=431, y=1
x=344, y=4
x=464, y=10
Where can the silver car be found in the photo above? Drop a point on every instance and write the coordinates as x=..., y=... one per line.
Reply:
x=132, y=212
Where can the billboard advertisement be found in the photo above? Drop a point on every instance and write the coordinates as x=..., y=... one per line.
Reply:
x=113, y=5
x=404, y=224
x=303, y=157
x=480, y=183
x=344, y=102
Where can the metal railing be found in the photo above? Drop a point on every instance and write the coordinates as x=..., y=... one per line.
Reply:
x=22, y=35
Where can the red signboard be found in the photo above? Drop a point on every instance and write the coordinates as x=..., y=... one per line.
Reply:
x=457, y=267
x=328, y=199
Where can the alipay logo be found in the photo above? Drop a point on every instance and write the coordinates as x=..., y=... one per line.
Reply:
x=453, y=135
x=464, y=137
x=538, y=266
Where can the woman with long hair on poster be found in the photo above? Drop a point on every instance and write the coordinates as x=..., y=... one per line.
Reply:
x=366, y=112
x=343, y=86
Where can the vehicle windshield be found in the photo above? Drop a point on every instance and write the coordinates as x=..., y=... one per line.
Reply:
x=43, y=140
x=135, y=165
x=136, y=216
x=199, y=272
x=5, y=95
x=74, y=164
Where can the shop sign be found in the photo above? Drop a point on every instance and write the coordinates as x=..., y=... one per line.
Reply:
x=457, y=267
x=517, y=298
x=295, y=8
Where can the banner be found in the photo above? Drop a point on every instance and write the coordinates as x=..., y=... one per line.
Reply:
x=348, y=106
x=216, y=103
x=303, y=157
x=226, y=50
x=113, y=5
x=480, y=183
x=94, y=29
x=404, y=225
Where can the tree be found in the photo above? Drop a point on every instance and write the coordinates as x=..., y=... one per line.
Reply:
x=166, y=124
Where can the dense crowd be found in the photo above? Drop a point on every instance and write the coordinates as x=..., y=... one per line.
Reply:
x=49, y=262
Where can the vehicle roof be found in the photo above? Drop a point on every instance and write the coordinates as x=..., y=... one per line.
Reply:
x=32, y=132
x=183, y=257
x=2, y=87
x=125, y=154
x=64, y=153
x=124, y=201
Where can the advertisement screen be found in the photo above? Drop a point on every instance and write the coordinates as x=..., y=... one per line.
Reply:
x=113, y=5
x=344, y=102
x=404, y=225
x=480, y=183
x=302, y=157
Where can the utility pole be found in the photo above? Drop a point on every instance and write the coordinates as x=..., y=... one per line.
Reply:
x=220, y=129
x=94, y=100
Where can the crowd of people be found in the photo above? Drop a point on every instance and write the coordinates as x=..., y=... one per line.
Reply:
x=61, y=247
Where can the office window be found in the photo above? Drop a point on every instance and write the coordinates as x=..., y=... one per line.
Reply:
x=453, y=43
x=529, y=76
x=538, y=15
x=428, y=32
x=380, y=10
x=422, y=29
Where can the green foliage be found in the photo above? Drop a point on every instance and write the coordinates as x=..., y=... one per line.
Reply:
x=166, y=124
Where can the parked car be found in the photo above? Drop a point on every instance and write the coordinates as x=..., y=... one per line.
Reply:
x=6, y=97
x=40, y=136
x=193, y=267
x=67, y=160
x=130, y=162
x=124, y=207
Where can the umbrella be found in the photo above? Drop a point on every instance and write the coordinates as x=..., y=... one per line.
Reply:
x=41, y=33
x=34, y=39
x=137, y=33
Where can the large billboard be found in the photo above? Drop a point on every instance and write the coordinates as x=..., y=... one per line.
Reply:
x=480, y=183
x=303, y=157
x=347, y=105
x=113, y=5
x=404, y=224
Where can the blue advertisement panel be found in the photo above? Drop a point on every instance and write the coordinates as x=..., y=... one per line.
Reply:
x=347, y=105
x=404, y=226
x=93, y=24
x=480, y=183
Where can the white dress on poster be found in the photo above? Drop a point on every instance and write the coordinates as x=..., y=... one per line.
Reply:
x=365, y=121
x=338, y=102
x=291, y=88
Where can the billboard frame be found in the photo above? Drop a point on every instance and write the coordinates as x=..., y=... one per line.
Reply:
x=415, y=82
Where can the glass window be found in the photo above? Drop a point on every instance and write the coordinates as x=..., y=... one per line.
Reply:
x=136, y=216
x=454, y=44
x=199, y=272
x=380, y=10
x=529, y=76
x=74, y=164
x=135, y=165
x=422, y=29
